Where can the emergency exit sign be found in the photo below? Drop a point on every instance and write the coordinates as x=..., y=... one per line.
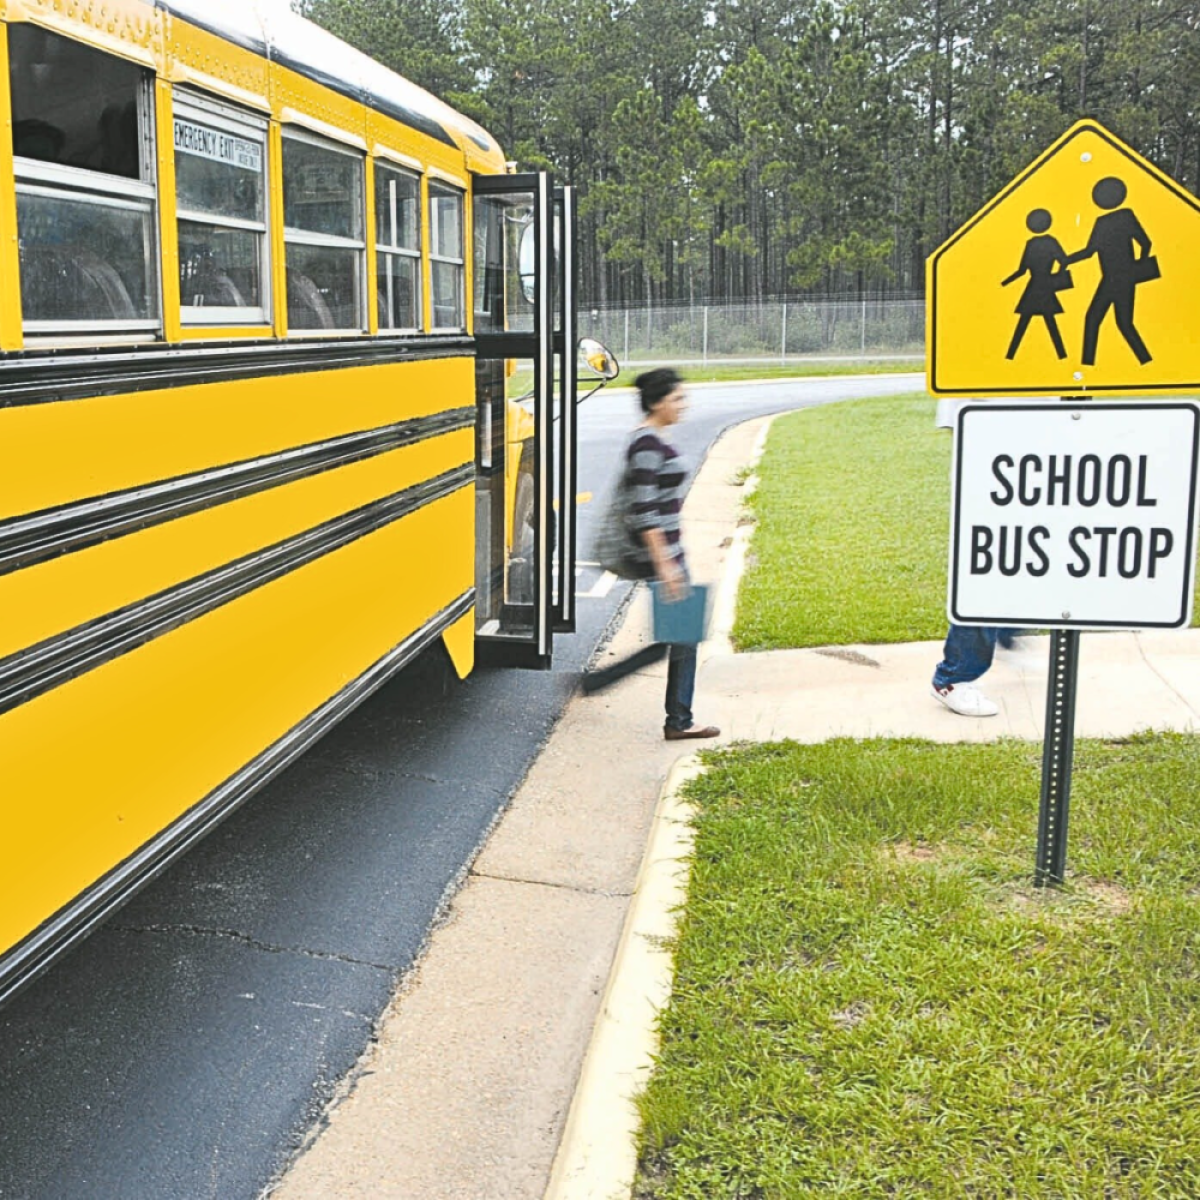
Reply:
x=1074, y=515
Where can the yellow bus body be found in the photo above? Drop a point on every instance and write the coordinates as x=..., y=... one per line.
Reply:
x=158, y=673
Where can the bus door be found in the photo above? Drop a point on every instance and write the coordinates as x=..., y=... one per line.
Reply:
x=524, y=310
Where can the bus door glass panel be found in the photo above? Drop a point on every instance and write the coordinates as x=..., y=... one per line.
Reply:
x=565, y=482
x=491, y=558
x=515, y=509
x=506, y=566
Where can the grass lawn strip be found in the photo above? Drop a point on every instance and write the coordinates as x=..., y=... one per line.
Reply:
x=718, y=372
x=520, y=384
x=852, y=516
x=872, y=1000
x=852, y=512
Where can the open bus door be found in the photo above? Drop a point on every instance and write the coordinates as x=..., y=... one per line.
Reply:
x=524, y=304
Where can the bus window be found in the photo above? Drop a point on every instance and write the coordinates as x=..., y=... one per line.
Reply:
x=503, y=272
x=398, y=246
x=324, y=221
x=220, y=179
x=82, y=141
x=446, y=253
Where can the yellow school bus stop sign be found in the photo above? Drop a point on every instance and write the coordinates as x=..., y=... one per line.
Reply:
x=1081, y=276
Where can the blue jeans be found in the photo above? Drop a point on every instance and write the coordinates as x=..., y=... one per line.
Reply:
x=681, y=686
x=968, y=653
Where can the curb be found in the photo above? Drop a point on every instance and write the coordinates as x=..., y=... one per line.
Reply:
x=597, y=1157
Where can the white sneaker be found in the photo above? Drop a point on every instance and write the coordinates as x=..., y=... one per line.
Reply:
x=966, y=700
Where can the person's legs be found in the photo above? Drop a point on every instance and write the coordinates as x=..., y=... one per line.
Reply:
x=681, y=686
x=967, y=654
x=595, y=681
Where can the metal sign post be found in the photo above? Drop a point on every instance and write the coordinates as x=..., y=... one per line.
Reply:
x=1058, y=756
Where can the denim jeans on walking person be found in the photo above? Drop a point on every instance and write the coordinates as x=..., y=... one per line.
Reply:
x=968, y=653
x=681, y=686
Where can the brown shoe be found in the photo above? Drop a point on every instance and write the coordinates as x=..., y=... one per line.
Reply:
x=693, y=731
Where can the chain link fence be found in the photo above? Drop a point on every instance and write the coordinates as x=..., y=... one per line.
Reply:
x=771, y=330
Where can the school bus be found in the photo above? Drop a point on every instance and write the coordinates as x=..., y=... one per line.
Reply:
x=287, y=395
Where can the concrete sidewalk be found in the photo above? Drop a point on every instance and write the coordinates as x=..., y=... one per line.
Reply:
x=552, y=945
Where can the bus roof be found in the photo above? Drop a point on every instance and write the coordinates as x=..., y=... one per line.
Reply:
x=291, y=40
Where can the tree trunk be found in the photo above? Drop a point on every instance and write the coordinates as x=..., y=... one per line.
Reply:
x=948, y=139
x=1083, y=62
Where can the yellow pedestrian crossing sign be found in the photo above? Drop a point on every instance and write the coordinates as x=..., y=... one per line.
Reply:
x=1082, y=276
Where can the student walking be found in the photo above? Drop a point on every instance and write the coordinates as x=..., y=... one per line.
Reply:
x=968, y=653
x=966, y=656
x=655, y=481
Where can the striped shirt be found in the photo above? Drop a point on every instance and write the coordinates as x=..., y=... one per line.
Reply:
x=656, y=477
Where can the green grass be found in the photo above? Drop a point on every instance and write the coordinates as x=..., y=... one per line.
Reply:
x=717, y=372
x=852, y=517
x=521, y=382
x=853, y=512
x=871, y=1000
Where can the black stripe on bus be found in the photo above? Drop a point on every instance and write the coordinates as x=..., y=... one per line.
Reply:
x=32, y=672
x=37, y=951
x=360, y=94
x=46, y=376
x=311, y=69
x=45, y=535
x=211, y=24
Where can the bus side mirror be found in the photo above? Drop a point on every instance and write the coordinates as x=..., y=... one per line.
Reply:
x=596, y=358
x=526, y=250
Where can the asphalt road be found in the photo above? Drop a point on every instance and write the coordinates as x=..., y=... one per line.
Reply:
x=184, y=1050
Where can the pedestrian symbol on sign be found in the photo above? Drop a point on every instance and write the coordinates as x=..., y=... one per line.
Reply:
x=1113, y=238
x=1040, y=298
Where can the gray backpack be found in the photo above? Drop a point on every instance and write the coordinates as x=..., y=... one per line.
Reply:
x=614, y=547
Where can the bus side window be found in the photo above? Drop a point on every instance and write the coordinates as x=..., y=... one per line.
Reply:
x=85, y=187
x=221, y=185
x=324, y=220
x=398, y=247
x=446, y=255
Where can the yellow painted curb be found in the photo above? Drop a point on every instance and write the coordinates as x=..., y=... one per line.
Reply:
x=597, y=1157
